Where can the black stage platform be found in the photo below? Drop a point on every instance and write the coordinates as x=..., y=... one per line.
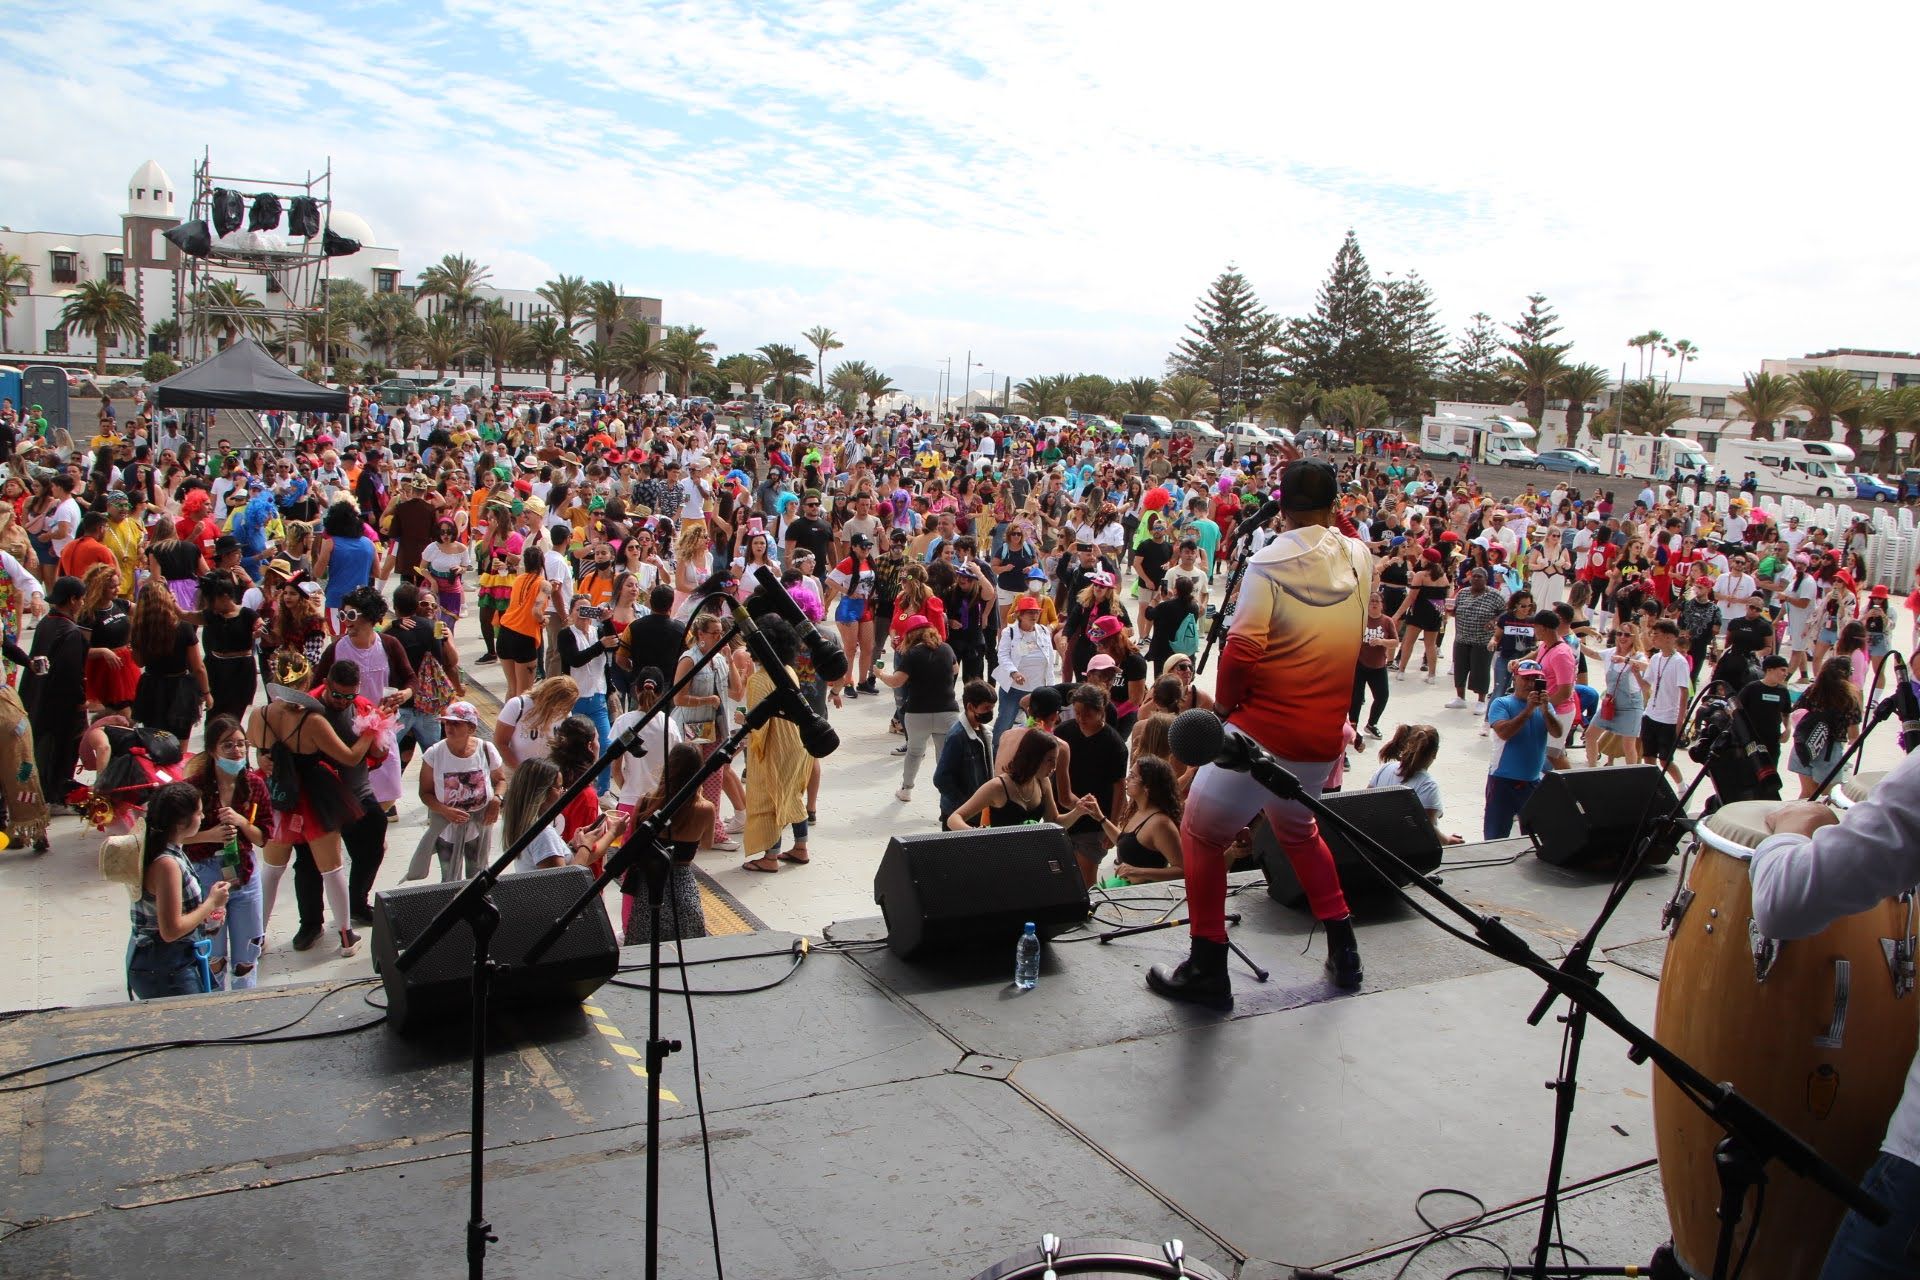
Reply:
x=868, y=1118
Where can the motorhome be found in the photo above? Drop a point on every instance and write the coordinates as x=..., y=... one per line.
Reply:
x=1500, y=440
x=1651, y=457
x=1810, y=468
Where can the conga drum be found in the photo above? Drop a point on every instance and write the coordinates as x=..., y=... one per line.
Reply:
x=1852, y=790
x=1817, y=1032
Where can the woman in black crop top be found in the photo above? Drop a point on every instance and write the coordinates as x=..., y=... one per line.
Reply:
x=1023, y=793
x=1147, y=847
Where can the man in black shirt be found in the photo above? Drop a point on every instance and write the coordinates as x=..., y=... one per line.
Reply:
x=1150, y=561
x=1747, y=638
x=656, y=639
x=1096, y=768
x=1766, y=703
x=811, y=530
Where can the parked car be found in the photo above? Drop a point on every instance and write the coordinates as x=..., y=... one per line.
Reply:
x=1051, y=424
x=1872, y=488
x=1910, y=484
x=1203, y=433
x=1575, y=460
x=1247, y=435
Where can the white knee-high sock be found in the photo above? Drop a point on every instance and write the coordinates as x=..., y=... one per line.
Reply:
x=270, y=889
x=334, y=884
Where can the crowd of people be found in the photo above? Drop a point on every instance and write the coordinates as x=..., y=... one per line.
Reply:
x=279, y=623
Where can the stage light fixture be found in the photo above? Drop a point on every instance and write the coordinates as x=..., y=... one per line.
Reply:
x=191, y=238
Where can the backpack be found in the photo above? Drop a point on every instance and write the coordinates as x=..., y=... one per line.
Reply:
x=1186, y=636
x=283, y=779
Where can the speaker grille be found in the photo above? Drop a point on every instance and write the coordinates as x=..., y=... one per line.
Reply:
x=958, y=890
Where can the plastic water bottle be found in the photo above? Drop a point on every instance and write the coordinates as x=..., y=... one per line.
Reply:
x=1026, y=959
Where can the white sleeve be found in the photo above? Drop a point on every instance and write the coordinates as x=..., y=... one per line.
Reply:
x=1801, y=885
x=510, y=711
x=22, y=580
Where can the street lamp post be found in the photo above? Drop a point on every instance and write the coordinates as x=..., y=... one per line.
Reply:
x=971, y=365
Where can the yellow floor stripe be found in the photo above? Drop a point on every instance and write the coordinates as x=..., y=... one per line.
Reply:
x=722, y=920
x=626, y=1051
x=612, y=1033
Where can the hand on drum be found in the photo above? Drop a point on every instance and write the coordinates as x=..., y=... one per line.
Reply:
x=1801, y=818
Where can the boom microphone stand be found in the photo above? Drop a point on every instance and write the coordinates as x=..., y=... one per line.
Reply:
x=1233, y=917
x=1753, y=1137
x=1242, y=552
x=474, y=905
x=1882, y=712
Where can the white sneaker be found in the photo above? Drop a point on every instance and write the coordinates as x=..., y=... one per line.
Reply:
x=1456, y=704
x=904, y=795
x=1429, y=679
x=1483, y=730
x=724, y=846
x=736, y=824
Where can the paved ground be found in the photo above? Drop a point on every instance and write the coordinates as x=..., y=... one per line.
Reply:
x=65, y=935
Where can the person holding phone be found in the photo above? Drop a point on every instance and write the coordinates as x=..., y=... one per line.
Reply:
x=162, y=957
x=233, y=805
x=1523, y=723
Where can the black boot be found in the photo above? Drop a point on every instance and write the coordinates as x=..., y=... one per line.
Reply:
x=1343, y=954
x=1199, y=979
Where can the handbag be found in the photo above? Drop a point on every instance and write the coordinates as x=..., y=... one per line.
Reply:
x=433, y=690
x=1608, y=704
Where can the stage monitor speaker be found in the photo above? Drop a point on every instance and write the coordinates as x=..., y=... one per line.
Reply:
x=1392, y=815
x=964, y=890
x=1591, y=817
x=436, y=991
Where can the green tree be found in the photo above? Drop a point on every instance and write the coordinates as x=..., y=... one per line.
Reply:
x=822, y=340
x=437, y=343
x=501, y=340
x=549, y=339
x=1825, y=393
x=1764, y=399
x=875, y=385
x=1581, y=385
x=1900, y=416
x=848, y=380
x=749, y=371
x=1044, y=396
x=605, y=310
x=598, y=360
x=387, y=322
x=1093, y=393
x=456, y=278
x=1538, y=325
x=1338, y=345
x=1293, y=402
x=1139, y=395
x=1474, y=370
x=1650, y=346
x=347, y=298
x=1855, y=417
x=1361, y=408
x=16, y=278
x=1230, y=342
x=685, y=352
x=1536, y=363
x=163, y=336
x=159, y=366
x=1647, y=407
x=635, y=355
x=1685, y=351
x=346, y=371
x=1186, y=396
x=226, y=311
x=1412, y=347
x=785, y=365
x=104, y=310
x=568, y=297
x=325, y=332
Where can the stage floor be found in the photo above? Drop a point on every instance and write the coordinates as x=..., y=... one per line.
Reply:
x=867, y=1117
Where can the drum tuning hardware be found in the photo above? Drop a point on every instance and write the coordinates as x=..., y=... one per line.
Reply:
x=1676, y=908
x=1900, y=963
x=1176, y=1254
x=1765, y=952
x=1836, y=1033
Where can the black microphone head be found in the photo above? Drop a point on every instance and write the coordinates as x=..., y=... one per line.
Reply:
x=1196, y=736
x=819, y=737
x=829, y=659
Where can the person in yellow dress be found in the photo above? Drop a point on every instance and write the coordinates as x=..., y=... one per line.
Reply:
x=777, y=767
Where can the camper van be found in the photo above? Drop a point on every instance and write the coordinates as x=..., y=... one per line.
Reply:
x=1651, y=457
x=1500, y=440
x=1810, y=468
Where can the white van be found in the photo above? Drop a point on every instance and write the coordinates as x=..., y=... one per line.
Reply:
x=1499, y=440
x=1788, y=466
x=1651, y=457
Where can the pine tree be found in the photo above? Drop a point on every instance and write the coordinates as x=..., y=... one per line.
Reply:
x=1412, y=346
x=1230, y=342
x=1538, y=323
x=1473, y=371
x=1537, y=363
x=1339, y=345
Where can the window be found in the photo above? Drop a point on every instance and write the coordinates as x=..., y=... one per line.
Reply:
x=385, y=281
x=1906, y=379
x=56, y=342
x=116, y=268
x=1713, y=406
x=63, y=269
x=273, y=283
x=1865, y=377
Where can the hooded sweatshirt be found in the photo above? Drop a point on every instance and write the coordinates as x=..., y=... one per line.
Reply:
x=1286, y=672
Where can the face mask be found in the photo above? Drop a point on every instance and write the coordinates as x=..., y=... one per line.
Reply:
x=231, y=766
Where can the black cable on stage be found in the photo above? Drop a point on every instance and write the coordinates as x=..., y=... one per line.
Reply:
x=798, y=953
x=128, y=1052
x=699, y=1093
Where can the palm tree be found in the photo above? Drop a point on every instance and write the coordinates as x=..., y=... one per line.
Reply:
x=549, y=340
x=324, y=332
x=784, y=364
x=822, y=340
x=749, y=371
x=1363, y=408
x=223, y=308
x=163, y=336
x=685, y=351
x=387, y=321
x=1857, y=416
x=438, y=342
x=1649, y=344
x=1825, y=393
x=1044, y=396
x=604, y=309
x=457, y=278
x=501, y=339
x=1292, y=402
x=1900, y=415
x=1186, y=395
x=635, y=355
x=1140, y=395
x=106, y=311
x=1581, y=385
x=16, y=278
x=597, y=359
x=849, y=379
x=1686, y=351
x=1536, y=371
x=1647, y=407
x=567, y=295
x=876, y=384
x=1764, y=399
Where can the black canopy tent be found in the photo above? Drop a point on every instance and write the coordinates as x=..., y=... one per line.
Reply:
x=246, y=376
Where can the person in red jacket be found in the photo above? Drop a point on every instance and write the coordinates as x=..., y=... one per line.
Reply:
x=1286, y=675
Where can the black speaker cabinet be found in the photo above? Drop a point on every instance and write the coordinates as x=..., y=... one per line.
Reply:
x=1392, y=815
x=964, y=890
x=1591, y=817
x=436, y=991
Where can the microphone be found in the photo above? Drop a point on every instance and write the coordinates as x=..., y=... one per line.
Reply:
x=829, y=659
x=1199, y=737
x=1907, y=705
x=816, y=735
x=1267, y=511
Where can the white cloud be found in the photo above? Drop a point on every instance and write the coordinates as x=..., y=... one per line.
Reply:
x=1052, y=183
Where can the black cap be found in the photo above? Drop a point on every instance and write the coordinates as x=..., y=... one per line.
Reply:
x=1043, y=702
x=1308, y=486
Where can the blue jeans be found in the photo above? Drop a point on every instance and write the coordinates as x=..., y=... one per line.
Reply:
x=594, y=708
x=1505, y=798
x=164, y=969
x=242, y=936
x=426, y=729
x=1862, y=1251
x=1009, y=713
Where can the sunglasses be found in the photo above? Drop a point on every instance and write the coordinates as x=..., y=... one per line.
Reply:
x=342, y=695
x=349, y=615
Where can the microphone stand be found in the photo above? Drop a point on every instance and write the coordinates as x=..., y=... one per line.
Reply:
x=1242, y=553
x=475, y=906
x=1882, y=712
x=1233, y=917
x=1753, y=1137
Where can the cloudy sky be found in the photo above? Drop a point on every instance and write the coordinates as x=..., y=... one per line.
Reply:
x=1051, y=185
